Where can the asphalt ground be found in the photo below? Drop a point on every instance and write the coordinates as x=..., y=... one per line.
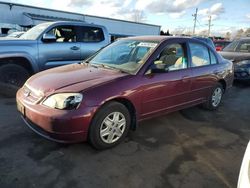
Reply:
x=192, y=148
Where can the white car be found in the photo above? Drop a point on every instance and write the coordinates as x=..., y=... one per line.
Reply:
x=244, y=176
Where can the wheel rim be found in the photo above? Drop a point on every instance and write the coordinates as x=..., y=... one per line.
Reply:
x=216, y=97
x=112, y=127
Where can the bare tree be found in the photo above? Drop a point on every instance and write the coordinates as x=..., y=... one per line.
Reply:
x=247, y=32
x=240, y=33
x=228, y=35
x=138, y=16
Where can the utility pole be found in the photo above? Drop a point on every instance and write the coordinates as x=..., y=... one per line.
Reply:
x=195, y=19
x=209, y=25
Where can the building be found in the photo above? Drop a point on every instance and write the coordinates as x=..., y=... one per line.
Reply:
x=22, y=17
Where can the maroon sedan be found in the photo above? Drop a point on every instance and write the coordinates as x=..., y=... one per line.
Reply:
x=128, y=81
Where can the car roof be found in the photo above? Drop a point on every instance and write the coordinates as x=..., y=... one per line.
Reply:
x=155, y=38
x=75, y=23
x=243, y=39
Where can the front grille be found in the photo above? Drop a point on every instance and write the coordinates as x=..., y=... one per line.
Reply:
x=31, y=96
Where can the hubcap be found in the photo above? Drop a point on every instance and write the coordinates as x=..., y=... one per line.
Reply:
x=216, y=97
x=112, y=127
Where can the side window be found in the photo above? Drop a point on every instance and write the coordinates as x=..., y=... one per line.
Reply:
x=199, y=54
x=213, y=59
x=64, y=33
x=173, y=56
x=91, y=34
x=244, y=47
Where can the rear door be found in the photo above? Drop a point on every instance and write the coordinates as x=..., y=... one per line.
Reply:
x=168, y=91
x=65, y=50
x=205, y=70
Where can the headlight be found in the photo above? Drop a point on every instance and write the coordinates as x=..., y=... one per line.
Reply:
x=64, y=101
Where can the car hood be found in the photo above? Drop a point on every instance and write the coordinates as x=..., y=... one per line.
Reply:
x=14, y=44
x=71, y=78
x=235, y=56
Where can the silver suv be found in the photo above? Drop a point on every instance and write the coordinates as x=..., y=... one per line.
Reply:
x=48, y=45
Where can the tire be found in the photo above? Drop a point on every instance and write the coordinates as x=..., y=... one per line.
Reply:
x=105, y=132
x=12, y=77
x=13, y=74
x=215, y=98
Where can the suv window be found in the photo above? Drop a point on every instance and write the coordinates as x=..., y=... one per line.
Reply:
x=244, y=46
x=174, y=57
x=91, y=34
x=64, y=33
x=199, y=54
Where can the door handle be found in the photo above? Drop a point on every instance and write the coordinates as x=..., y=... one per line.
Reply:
x=74, y=48
x=185, y=78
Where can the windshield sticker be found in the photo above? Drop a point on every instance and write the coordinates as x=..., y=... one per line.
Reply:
x=147, y=44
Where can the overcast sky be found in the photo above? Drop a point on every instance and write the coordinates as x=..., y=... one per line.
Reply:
x=227, y=15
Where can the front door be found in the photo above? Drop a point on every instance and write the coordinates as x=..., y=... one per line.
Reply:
x=64, y=50
x=170, y=89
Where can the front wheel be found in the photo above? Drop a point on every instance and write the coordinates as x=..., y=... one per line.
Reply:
x=13, y=74
x=215, y=98
x=12, y=77
x=109, y=126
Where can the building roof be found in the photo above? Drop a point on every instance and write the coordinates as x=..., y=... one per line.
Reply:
x=22, y=5
x=47, y=18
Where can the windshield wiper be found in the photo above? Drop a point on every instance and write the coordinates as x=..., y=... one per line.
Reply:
x=107, y=67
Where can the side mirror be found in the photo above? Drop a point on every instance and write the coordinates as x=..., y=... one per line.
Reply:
x=47, y=37
x=158, y=67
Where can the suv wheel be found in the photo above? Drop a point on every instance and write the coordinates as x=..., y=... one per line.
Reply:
x=13, y=74
x=109, y=126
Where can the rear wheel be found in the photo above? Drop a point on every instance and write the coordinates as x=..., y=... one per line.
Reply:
x=109, y=126
x=215, y=97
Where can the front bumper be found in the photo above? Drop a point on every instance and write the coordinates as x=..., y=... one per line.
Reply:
x=64, y=126
x=56, y=137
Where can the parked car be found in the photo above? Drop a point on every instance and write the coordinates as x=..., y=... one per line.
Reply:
x=244, y=175
x=48, y=45
x=105, y=96
x=206, y=40
x=239, y=53
x=221, y=44
x=15, y=34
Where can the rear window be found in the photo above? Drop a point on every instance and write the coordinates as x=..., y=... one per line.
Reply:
x=91, y=34
x=200, y=55
x=231, y=47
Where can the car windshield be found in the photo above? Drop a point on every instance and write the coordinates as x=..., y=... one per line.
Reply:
x=35, y=32
x=125, y=55
x=231, y=47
